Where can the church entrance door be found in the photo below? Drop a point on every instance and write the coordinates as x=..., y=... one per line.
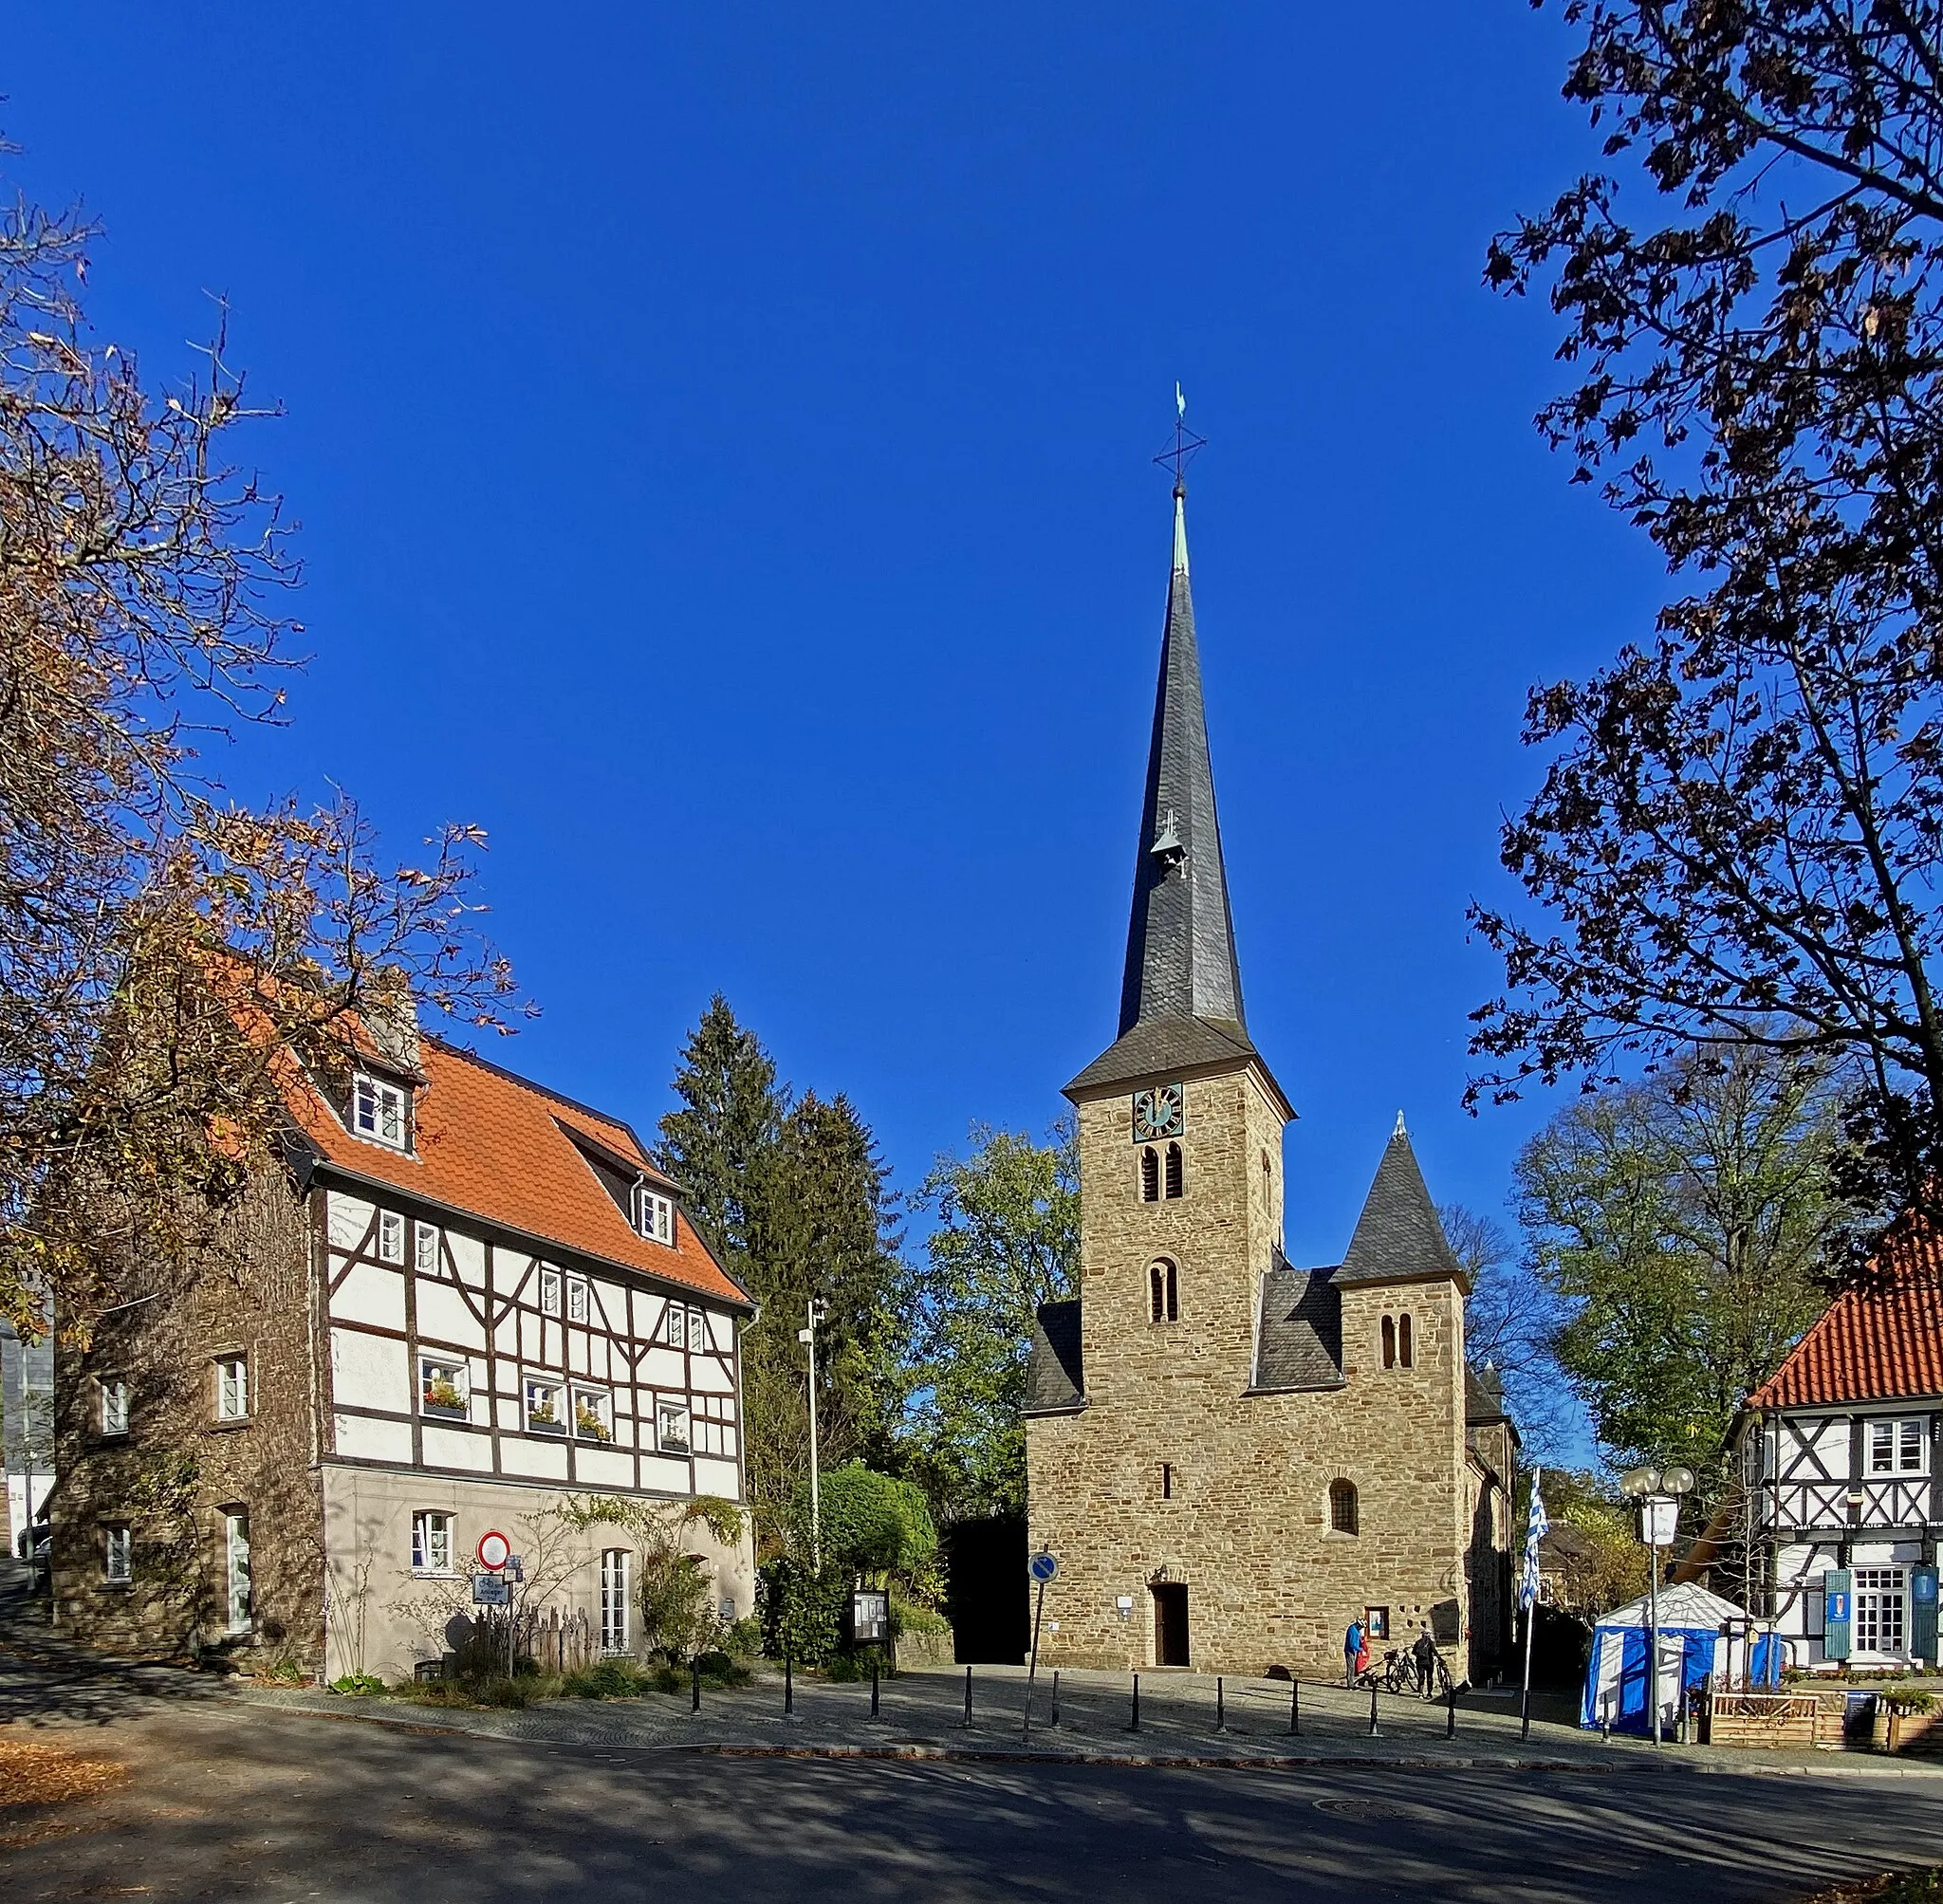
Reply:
x=1170, y=1623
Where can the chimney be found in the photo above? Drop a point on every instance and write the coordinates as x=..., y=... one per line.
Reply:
x=391, y=1017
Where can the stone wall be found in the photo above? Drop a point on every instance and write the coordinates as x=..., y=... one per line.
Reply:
x=178, y=1473
x=1176, y=1474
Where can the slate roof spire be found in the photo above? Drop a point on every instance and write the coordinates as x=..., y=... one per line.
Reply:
x=1398, y=1237
x=1181, y=940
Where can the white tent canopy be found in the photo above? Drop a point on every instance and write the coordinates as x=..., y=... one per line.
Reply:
x=1687, y=1606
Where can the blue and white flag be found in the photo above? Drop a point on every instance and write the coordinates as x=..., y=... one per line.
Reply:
x=1535, y=1530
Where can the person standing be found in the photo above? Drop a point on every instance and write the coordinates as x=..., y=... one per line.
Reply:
x=1425, y=1656
x=1352, y=1652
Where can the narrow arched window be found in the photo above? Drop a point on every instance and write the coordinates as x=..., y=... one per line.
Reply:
x=1157, y=1292
x=1150, y=1175
x=1174, y=1170
x=1406, y=1349
x=1389, y=1343
x=1173, y=1294
x=1343, y=1507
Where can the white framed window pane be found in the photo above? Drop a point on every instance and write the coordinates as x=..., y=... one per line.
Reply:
x=549, y=1292
x=675, y=1330
x=391, y=1115
x=673, y=1420
x=1909, y=1455
x=391, y=1236
x=115, y=1408
x=232, y=1387
x=697, y=1331
x=542, y=1403
x=236, y=1541
x=1880, y=1446
x=427, y=1248
x=576, y=1300
x=613, y=1599
x=364, y=1116
x=118, y=1561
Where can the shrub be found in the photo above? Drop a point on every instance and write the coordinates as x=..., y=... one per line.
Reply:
x=606, y=1679
x=744, y=1640
x=872, y=1523
x=802, y=1612
x=1913, y=1700
x=359, y=1685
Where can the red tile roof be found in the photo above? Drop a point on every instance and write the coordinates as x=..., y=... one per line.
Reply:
x=1879, y=1341
x=494, y=1146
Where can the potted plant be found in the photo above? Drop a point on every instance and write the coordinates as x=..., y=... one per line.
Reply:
x=442, y=1392
x=587, y=1421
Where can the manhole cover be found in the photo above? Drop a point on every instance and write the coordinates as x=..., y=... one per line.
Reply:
x=1356, y=1807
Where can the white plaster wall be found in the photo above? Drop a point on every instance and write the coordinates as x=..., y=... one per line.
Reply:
x=370, y=1294
x=347, y=1219
x=444, y=1317
x=359, y=1438
x=370, y=1371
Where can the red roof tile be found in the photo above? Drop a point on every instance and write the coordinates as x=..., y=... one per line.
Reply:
x=493, y=1145
x=1880, y=1341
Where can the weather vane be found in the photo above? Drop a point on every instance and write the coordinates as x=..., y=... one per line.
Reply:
x=1181, y=451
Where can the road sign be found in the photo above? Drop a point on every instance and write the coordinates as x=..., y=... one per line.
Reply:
x=1659, y=1517
x=515, y=1568
x=1041, y=1567
x=490, y=1590
x=494, y=1551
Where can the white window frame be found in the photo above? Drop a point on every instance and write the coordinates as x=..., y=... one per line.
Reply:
x=579, y=1306
x=697, y=1332
x=653, y=1215
x=602, y=1409
x=1880, y=1610
x=432, y=1529
x=456, y=1368
x=549, y=1292
x=425, y=1248
x=679, y=1411
x=379, y=1112
x=113, y=1406
x=675, y=1326
x=551, y=1388
x=117, y=1554
x=241, y=1590
x=712, y=1422
x=232, y=1387
x=617, y=1587
x=391, y=1237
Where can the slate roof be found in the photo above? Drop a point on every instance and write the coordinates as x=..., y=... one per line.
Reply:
x=1483, y=1395
x=1300, y=1343
x=1055, y=1381
x=1164, y=1046
x=1881, y=1339
x=501, y=1148
x=1397, y=1237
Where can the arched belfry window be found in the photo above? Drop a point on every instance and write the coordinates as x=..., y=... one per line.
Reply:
x=1163, y=1292
x=1406, y=1347
x=1150, y=1175
x=1174, y=1170
x=1389, y=1341
x=1343, y=1507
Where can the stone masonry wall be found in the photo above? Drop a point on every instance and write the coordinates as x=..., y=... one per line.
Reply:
x=178, y=1473
x=1246, y=1527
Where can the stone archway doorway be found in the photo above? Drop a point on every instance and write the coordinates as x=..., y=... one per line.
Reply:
x=1170, y=1623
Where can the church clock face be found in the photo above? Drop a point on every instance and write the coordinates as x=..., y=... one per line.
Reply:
x=1160, y=1113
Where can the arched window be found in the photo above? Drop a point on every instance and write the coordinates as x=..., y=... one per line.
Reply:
x=1163, y=1292
x=1150, y=1175
x=1406, y=1349
x=1343, y=1507
x=1174, y=1170
x=1389, y=1343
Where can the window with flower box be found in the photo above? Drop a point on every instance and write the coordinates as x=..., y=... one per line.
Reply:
x=670, y=1427
x=593, y=1414
x=445, y=1386
x=543, y=1407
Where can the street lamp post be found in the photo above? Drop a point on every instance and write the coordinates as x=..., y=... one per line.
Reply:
x=816, y=1505
x=1658, y=1490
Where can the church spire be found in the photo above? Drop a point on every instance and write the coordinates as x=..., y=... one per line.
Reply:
x=1181, y=940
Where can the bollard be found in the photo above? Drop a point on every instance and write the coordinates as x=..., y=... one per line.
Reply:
x=1450, y=1709
x=789, y=1686
x=873, y=1684
x=1373, y=1709
x=1135, y=1726
x=967, y=1696
x=1220, y=1706
x=694, y=1668
x=1294, y=1707
x=1055, y=1697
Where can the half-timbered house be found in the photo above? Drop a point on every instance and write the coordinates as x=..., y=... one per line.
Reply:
x=1845, y=1446
x=466, y=1299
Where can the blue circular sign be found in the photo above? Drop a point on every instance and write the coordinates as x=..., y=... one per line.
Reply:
x=1043, y=1568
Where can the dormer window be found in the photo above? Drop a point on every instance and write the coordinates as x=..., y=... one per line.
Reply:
x=653, y=1216
x=379, y=1111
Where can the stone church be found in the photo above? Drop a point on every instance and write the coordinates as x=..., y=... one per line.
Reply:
x=1230, y=1456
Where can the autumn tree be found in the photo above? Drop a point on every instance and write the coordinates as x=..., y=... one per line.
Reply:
x=162, y=949
x=1738, y=837
x=1007, y=1240
x=1685, y=1226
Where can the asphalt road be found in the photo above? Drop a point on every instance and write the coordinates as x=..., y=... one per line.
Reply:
x=230, y=1804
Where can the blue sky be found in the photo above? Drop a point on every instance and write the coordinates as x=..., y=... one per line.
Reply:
x=721, y=438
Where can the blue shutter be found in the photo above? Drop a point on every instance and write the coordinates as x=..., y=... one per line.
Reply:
x=1922, y=1612
x=1835, y=1613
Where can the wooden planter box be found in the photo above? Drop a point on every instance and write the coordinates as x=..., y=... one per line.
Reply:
x=1895, y=1729
x=1768, y=1720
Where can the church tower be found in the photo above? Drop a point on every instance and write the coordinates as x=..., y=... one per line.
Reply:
x=1229, y=1456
